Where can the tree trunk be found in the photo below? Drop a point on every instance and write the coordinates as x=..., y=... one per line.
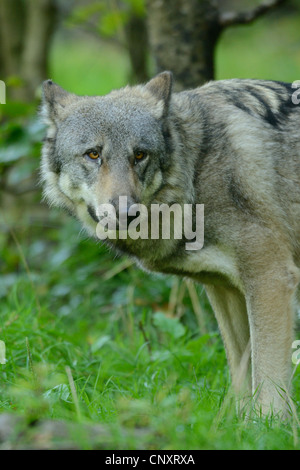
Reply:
x=25, y=32
x=11, y=35
x=183, y=35
x=41, y=19
x=137, y=44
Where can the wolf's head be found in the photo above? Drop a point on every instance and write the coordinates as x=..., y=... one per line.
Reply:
x=126, y=145
x=100, y=148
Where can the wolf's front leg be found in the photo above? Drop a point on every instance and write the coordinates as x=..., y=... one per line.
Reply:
x=270, y=295
x=230, y=310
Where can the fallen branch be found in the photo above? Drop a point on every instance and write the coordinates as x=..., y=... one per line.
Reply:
x=16, y=433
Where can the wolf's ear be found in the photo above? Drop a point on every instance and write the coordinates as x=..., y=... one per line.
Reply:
x=161, y=88
x=55, y=101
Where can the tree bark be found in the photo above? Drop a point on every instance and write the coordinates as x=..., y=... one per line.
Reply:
x=183, y=35
x=137, y=44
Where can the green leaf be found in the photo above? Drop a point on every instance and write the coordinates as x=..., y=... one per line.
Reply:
x=60, y=392
x=99, y=343
x=172, y=326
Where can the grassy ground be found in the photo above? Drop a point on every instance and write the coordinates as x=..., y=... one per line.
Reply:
x=129, y=341
x=91, y=339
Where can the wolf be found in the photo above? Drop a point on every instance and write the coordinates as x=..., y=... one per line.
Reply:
x=232, y=145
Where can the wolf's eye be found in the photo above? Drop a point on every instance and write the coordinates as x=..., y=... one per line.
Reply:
x=92, y=155
x=139, y=155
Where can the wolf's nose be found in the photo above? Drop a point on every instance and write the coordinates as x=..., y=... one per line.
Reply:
x=122, y=208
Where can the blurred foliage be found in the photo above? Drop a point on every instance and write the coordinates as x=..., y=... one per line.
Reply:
x=122, y=22
x=20, y=145
x=267, y=49
x=82, y=65
x=20, y=140
x=108, y=19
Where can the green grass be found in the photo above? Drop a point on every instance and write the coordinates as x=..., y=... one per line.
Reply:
x=132, y=343
x=137, y=362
